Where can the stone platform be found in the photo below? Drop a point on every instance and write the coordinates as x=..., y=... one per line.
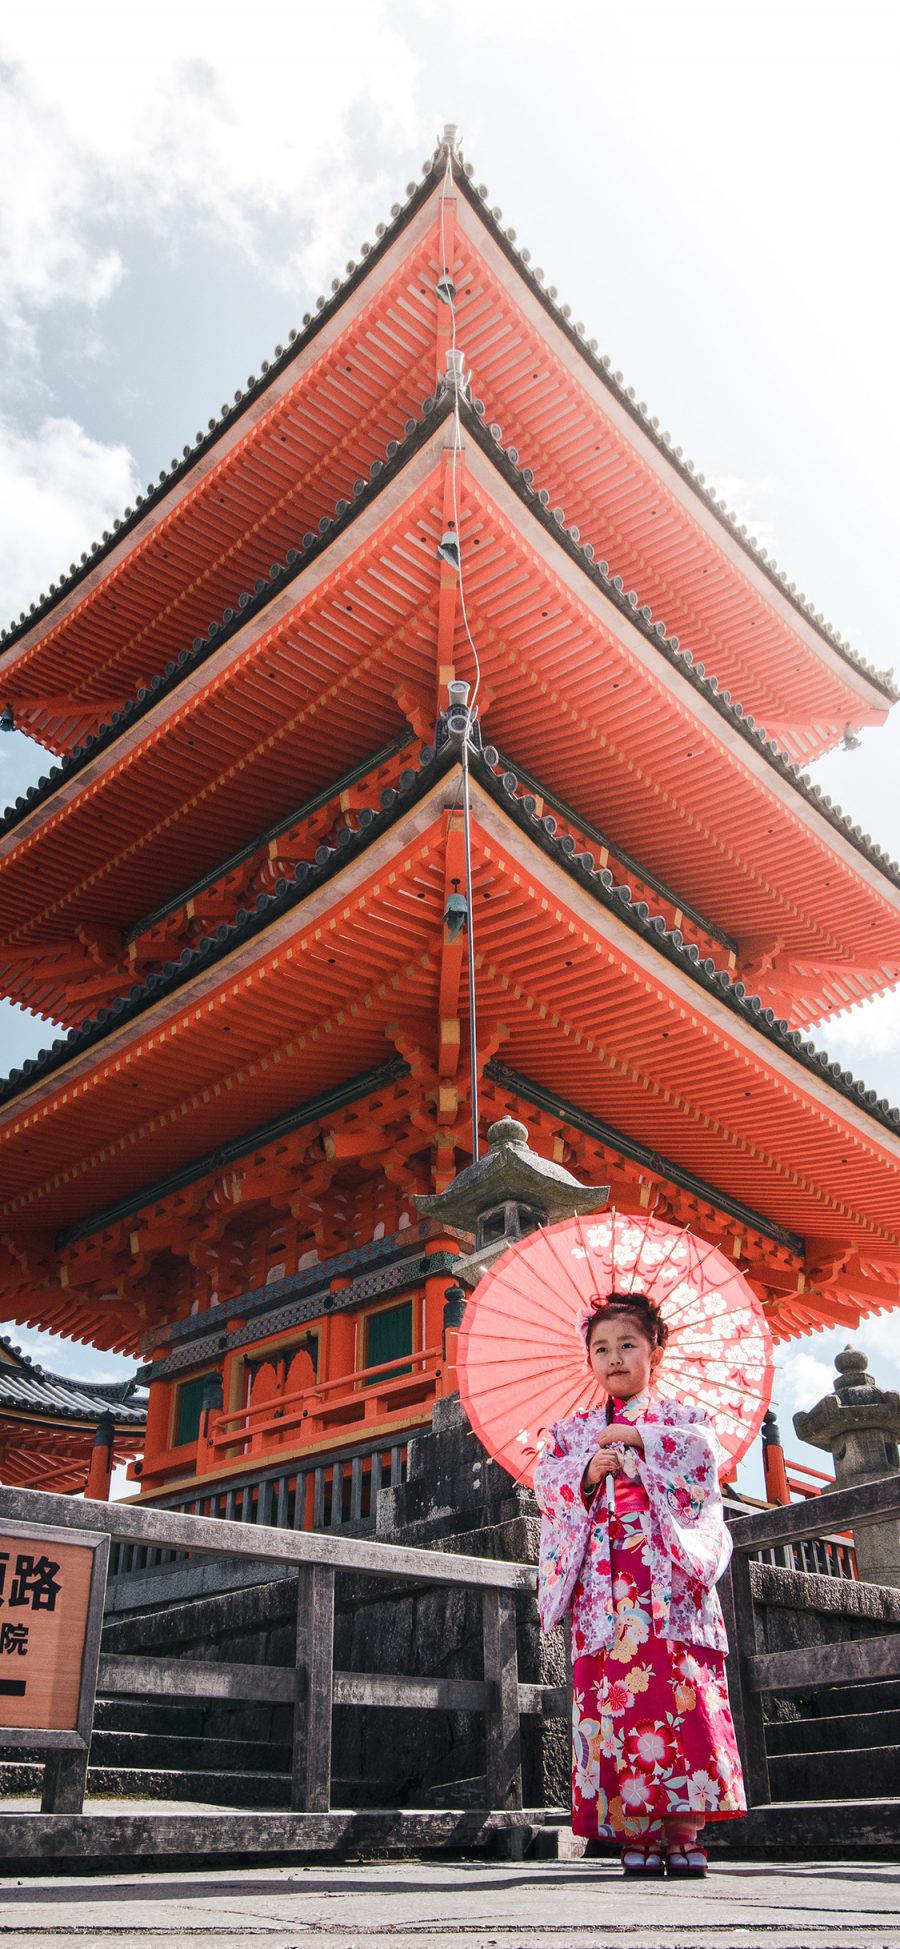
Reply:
x=462, y=1905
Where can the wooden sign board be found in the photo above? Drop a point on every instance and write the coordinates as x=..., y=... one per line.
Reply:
x=52, y=1587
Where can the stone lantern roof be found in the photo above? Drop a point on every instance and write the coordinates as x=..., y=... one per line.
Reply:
x=506, y=1194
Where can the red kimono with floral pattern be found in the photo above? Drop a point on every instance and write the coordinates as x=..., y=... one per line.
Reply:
x=652, y=1732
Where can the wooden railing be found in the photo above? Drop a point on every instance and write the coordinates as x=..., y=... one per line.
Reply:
x=826, y=1555
x=371, y=1394
x=804, y=1481
x=752, y=1673
x=312, y=1685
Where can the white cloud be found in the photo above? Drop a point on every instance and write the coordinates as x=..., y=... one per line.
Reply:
x=870, y=1029
x=58, y=490
x=801, y=1380
x=803, y=1375
x=881, y=1339
x=191, y=115
x=61, y=1356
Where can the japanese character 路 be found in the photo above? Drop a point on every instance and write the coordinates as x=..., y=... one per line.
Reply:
x=34, y=1583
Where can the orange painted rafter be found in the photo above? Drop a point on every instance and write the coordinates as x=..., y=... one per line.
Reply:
x=280, y=483
x=618, y=1037
x=227, y=521
x=371, y=649
x=791, y=1289
x=554, y=700
x=556, y=705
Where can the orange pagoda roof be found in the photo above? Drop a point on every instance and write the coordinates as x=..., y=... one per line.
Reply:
x=346, y=647
x=300, y=435
x=113, y=1143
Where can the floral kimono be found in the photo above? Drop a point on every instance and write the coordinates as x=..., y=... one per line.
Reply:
x=637, y=1566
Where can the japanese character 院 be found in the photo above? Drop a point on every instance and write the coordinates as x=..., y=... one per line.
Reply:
x=14, y=1638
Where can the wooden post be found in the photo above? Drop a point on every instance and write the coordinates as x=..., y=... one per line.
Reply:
x=773, y=1462
x=746, y=1705
x=314, y=1678
x=97, y=1486
x=501, y=1669
x=65, y=1780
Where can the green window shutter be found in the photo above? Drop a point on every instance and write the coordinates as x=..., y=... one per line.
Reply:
x=188, y=1409
x=388, y=1337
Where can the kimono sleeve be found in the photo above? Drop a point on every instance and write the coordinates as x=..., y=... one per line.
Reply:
x=565, y=1520
x=680, y=1472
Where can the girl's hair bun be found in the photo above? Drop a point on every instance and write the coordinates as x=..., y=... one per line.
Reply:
x=646, y=1313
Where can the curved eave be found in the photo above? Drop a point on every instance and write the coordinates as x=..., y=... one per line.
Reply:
x=552, y=691
x=633, y=1025
x=28, y=1390
x=50, y=1415
x=666, y=548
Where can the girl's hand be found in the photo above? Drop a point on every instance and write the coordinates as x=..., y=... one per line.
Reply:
x=603, y=1462
x=620, y=1435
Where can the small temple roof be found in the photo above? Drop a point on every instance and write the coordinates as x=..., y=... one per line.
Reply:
x=26, y=1387
x=250, y=402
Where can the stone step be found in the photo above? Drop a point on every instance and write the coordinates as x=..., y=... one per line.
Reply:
x=129, y=1840
x=842, y=1733
x=160, y=1784
x=811, y=1829
x=259, y=1791
x=877, y=1695
x=814, y=1776
x=175, y=1753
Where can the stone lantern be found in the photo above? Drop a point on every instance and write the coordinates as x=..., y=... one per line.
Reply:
x=452, y=1487
x=859, y=1424
x=506, y=1194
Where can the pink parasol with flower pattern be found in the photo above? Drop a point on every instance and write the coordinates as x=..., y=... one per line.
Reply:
x=522, y=1359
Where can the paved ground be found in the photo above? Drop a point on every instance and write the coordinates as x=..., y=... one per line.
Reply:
x=476, y=1905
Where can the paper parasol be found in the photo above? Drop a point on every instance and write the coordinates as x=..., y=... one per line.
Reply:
x=522, y=1359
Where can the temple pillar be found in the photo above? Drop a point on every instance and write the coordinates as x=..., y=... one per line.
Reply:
x=858, y=1424
x=97, y=1486
x=774, y=1469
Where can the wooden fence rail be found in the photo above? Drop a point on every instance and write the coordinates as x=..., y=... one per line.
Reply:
x=752, y=1673
x=312, y=1686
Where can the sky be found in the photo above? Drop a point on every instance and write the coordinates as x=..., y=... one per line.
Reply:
x=713, y=189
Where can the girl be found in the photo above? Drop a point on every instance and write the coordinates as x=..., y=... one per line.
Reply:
x=633, y=1539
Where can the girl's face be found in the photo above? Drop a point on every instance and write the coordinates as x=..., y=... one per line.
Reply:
x=621, y=1356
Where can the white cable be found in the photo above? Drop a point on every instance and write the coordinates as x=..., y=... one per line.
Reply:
x=457, y=450
x=471, y=707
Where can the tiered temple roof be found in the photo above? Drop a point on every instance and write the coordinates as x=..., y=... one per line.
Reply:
x=231, y=890
x=334, y=654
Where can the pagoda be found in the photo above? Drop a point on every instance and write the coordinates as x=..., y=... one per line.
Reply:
x=432, y=641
